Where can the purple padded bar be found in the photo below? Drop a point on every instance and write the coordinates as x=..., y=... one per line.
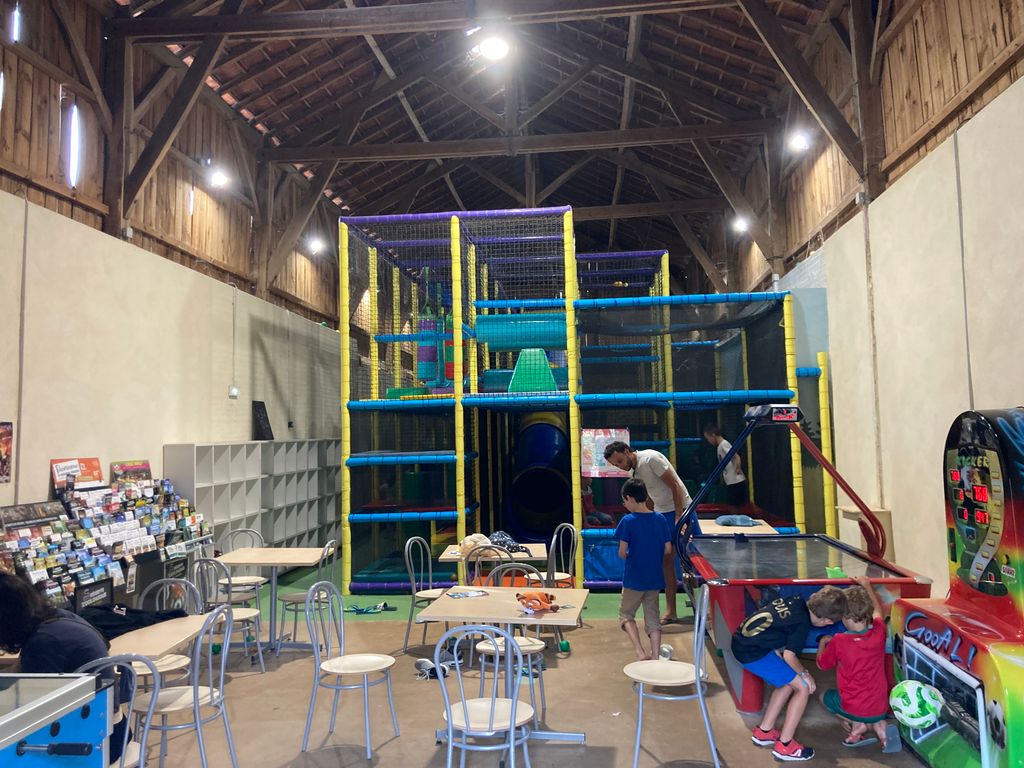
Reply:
x=619, y=255
x=374, y=587
x=463, y=215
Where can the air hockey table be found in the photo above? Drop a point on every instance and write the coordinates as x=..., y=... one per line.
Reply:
x=738, y=568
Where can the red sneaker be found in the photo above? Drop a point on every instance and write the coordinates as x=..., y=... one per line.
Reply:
x=793, y=752
x=764, y=738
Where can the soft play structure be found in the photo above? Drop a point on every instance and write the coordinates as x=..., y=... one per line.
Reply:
x=478, y=345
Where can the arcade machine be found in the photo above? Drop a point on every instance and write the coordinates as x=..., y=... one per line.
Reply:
x=970, y=646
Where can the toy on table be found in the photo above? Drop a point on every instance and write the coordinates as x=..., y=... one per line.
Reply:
x=537, y=602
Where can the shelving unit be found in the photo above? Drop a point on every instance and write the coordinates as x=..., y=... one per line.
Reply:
x=287, y=489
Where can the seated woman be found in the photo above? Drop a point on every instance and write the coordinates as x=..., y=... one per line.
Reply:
x=50, y=640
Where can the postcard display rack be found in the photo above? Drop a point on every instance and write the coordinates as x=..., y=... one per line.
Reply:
x=98, y=534
x=288, y=490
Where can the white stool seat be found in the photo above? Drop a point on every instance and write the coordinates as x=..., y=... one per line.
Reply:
x=661, y=672
x=430, y=594
x=357, y=664
x=540, y=578
x=248, y=582
x=130, y=756
x=172, y=662
x=527, y=645
x=236, y=596
x=244, y=614
x=174, y=699
x=480, y=715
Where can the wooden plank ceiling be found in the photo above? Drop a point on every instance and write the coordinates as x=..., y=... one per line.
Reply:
x=305, y=90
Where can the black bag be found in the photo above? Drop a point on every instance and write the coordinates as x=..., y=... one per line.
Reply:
x=506, y=542
x=115, y=620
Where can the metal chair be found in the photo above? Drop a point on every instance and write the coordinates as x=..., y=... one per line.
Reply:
x=420, y=567
x=480, y=556
x=561, y=567
x=245, y=583
x=676, y=674
x=325, y=619
x=208, y=575
x=507, y=575
x=295, y=602
x=498, y=716
x=204, y=691
x=123, y=669
x=166, y=595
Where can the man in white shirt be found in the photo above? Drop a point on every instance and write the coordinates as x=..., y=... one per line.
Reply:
x=666, y=493
x=733, y=477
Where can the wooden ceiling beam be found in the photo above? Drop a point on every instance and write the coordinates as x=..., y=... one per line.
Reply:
x=561, y=43
x=633, y=162
x=628, y=89
x=436, y=55
x=391, y=19
x=557, y=93
x=513, y=145
x=497, y=182
x=426, y=176
x=803, y=80
x=648, y=210
x=76, y=44
x=563, y=177
x=174, y=117
x=147, y=97
x=460, y=94
x=690, y=238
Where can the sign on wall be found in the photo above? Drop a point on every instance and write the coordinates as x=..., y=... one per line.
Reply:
x=6, y=450
x=592, y=443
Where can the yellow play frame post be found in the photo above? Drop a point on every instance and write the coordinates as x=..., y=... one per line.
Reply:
x=473, y=384
x=485, y=290
x=572, y=361
x=396, y=362
x=460, y=426
x=373, y=290
x=799, y=513
x=825, y=409
x=666, y=356
x=346, y=424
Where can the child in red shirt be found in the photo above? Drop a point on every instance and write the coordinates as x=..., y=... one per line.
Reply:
x=859, y=658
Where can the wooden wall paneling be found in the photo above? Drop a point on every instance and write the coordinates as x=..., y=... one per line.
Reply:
x=23, y=116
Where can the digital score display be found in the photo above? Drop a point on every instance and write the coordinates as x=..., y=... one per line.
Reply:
x=954, y=475
x=980, y=494
x=981, y=517
x=958, y=494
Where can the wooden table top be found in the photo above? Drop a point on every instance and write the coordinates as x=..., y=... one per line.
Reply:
x=159, y=639
x=273, y=557
x=453, y=554
x=499, y=606
x=711, y=528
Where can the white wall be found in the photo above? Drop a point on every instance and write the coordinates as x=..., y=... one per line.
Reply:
x=125, y=351
x=12, y=227
x=936, y=263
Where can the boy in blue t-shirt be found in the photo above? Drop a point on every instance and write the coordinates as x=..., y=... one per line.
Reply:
x=644, y=540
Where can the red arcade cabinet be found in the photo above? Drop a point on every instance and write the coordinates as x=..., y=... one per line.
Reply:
x=971, y=645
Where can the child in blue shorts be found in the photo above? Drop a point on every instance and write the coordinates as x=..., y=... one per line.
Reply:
x=767, y=644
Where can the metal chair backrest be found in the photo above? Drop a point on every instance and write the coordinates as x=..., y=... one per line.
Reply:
x=700, y=623
x=213, y=579
x=243, y=537
x=419, y=564
x=171, y=594
x=214, y=636
x=506, y=575
x=684, y=532
x=482, y=554
x=458, y=641
x=325, y=620
x=125, y=680
x=327, y=565
x=562, y=553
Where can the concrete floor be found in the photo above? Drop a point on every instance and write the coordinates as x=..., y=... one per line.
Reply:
x=585, y=691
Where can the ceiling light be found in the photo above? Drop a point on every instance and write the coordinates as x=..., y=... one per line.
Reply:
x=315, y=245
x=494, y=48
x=218, y=178
x=799, y=141
x=472, y=31
x=740, y=225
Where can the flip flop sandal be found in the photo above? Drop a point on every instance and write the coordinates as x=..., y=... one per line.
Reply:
x=666, y=621
x=893, y=742
x=859, y=741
